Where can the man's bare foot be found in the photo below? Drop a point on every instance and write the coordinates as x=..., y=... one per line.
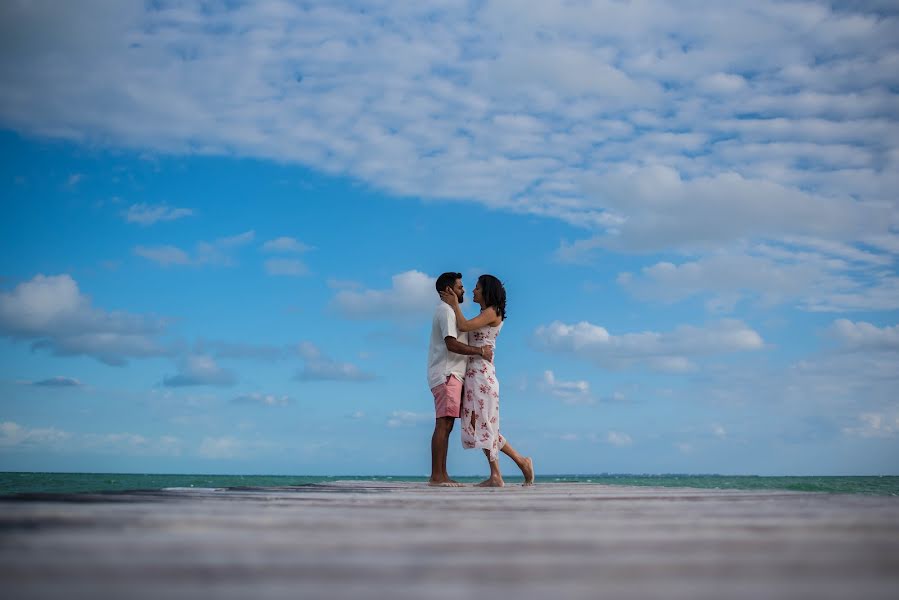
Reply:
x=528, y=471
x=443, y=483
x=492, y=482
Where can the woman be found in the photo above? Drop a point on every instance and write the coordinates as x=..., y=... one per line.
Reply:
x=480, y=404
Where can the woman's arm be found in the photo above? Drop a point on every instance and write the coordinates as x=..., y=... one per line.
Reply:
x=487, y=316
x=457, y=347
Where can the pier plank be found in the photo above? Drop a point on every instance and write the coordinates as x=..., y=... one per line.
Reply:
x=406, y=540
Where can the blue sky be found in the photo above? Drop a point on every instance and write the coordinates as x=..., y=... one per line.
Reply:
x=221, y=226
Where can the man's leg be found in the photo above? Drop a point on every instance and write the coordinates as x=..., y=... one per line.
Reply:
x=439, y=448
x=447, y=398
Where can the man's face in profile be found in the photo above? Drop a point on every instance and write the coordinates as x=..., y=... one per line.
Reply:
x=459, y=291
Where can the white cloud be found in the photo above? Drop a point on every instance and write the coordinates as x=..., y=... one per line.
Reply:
x=569, y=392
x=130, y=443
x=411, y=292
x=404, y=418
x=330, y=370
x=58, y=382
x=53, y=313
x=262, y=399
x=287, y=245
x=668, y=352
x=218, y=448
x=224, y=349
x=343, y=284
x=163, y=255
x=684, y=447
x=719, y=431
x=286, y=266
x=817, y=277
x=309, y=351
x=629, y=118
x=874, y=425
x=865, y=336
x=663, y=210
x=14, y=435
x=618, y=438
x=148, y=214
x=578, y=252
x=217, y=252
x=318, y=367
x=722, y=83
x=199, y=369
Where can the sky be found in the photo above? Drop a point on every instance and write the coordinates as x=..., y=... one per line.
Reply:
x=222, y=222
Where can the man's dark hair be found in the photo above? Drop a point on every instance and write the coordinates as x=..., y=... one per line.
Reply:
x=494, y=294
x=447, y=280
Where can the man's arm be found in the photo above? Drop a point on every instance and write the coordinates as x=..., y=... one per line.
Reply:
x=457, y=347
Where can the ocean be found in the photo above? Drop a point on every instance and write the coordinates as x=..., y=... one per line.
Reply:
x=68, y=483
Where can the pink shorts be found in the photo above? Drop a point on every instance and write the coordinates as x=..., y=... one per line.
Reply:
x=448, y=397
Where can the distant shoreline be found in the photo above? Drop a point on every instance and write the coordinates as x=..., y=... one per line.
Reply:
x=15, y=482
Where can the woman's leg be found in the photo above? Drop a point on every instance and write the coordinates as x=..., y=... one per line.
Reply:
x=496, y=478
x=524, y=462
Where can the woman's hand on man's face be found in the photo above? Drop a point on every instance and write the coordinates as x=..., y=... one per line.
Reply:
x=449, y=297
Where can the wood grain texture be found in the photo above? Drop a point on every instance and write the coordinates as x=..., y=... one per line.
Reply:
x=405, y=540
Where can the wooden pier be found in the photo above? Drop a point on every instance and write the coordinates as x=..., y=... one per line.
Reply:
x=408, y=541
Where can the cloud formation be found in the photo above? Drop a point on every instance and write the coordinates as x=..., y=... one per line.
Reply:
x=286, y=266
x=618, y=438
x=812, y=275
x=241, y=350
x=219, y=448
x=129, y=443
x=217, y=252
x=261, y=399
x=657, y=126
x=163, y=255
x=874, y=425
x=14, y=435
x=411, y=292
x=285, y=245
x=319, y=367
x=405, y=418
x=667, y=352
x=569, y=392
x=52, y=313
x=148, y=214
x=229, y=447
x=862, y=336
x=58, y=382
x=199, y=369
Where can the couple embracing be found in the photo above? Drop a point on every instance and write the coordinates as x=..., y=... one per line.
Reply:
x=463, y=379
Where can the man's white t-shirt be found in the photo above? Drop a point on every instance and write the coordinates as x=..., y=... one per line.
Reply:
x=441, y=362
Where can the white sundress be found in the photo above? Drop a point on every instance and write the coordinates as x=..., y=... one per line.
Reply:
x=482, y=397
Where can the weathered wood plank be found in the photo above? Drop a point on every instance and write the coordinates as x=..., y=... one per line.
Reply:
x=381, y=540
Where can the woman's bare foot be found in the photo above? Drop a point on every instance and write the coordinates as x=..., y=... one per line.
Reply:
x=492, y=482
x=528, y=471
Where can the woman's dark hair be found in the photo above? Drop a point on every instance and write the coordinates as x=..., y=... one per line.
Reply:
x=447, y=280
x=494, y=294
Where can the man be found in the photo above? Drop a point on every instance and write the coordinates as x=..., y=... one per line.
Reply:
x=446, y=372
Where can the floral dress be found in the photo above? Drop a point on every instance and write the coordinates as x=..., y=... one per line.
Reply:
x=480, y=404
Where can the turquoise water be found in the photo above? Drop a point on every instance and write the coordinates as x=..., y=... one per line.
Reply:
x=13, y=483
